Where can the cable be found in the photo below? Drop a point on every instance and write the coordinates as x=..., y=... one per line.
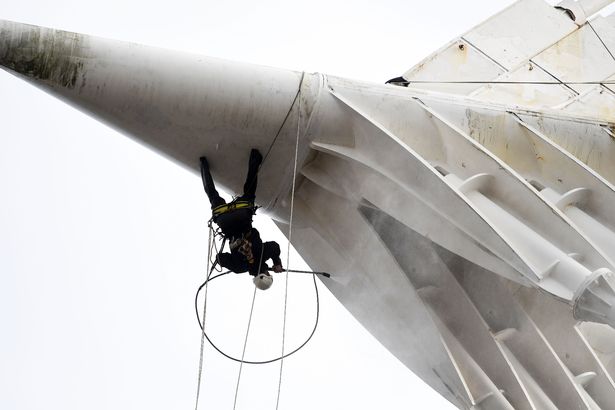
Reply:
x=213, y=261
x=209, y=279
x=245, y=344
x=277, y=134
x=600, y=38
x=575, y=92
x=290, y=109
x=201, y=354
x=406, y=83
x=290, y=231
x=484, y=53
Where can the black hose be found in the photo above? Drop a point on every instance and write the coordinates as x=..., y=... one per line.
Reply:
x=196, y=308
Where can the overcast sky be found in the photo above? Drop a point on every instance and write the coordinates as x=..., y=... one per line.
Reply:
x=102, y=242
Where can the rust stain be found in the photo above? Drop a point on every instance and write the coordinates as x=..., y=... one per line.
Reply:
x=461, y=57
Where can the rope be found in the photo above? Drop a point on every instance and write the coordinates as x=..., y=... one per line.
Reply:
x=213, y=260
x=245, y=344
x=290, y=109
x=198, y=388
x=406, y=83
x=575, y=92
x=277, y=134
x=484, y=53
x=600, y=38
x=290, y=231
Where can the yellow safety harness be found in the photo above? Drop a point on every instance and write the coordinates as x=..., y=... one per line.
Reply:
x=234, y=218
x=225, y=208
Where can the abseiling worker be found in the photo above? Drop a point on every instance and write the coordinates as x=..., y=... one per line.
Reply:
x=248, y=252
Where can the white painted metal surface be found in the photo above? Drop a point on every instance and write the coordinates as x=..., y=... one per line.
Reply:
x=581, y=10
x=468, y=225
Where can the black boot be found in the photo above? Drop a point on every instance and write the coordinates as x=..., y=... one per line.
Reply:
x=255, y=158
x=208, y=184
x=204, y=163
x=249, y=187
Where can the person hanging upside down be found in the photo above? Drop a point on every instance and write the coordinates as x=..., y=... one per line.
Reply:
x=248, y=252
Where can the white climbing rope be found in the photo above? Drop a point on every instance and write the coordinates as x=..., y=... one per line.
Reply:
x=245, y=342
x=243, y=353
x=290, y=231
x=201, y=356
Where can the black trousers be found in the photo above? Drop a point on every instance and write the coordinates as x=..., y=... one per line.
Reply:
x=249, y=187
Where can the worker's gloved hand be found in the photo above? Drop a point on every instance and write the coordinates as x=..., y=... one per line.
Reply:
x=278, y=268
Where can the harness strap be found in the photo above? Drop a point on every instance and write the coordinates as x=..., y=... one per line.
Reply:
x=224, y=208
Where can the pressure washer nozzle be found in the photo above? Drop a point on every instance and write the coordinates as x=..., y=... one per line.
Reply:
x=325, y=274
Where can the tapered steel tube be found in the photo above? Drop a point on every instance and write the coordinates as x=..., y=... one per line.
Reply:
x=182, y=105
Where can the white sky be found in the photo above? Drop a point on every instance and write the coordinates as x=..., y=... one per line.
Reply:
x=102, y=242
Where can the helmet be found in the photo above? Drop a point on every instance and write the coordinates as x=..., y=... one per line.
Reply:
x=263, y=281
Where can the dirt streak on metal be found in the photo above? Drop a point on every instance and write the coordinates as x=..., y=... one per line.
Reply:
x=49, y=55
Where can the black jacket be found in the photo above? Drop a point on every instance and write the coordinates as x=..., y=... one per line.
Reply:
x=249, y=253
